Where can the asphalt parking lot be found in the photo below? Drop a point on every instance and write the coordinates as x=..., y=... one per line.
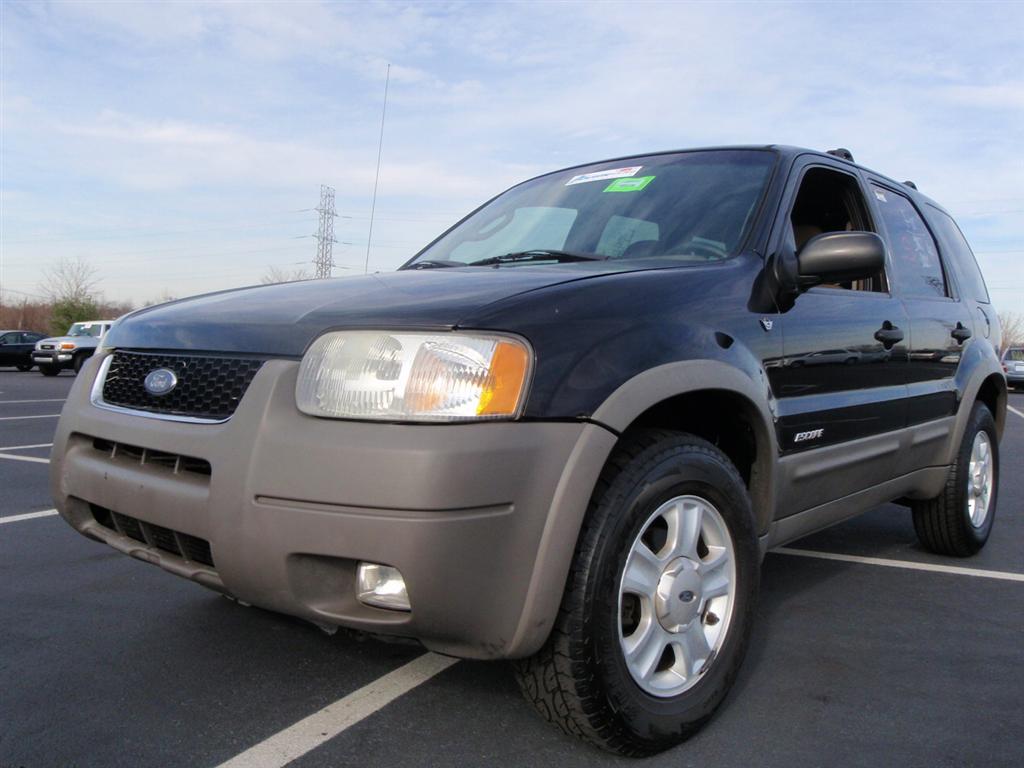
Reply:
x=105, y=660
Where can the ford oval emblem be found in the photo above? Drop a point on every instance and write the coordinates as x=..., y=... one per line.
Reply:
x=160, y=382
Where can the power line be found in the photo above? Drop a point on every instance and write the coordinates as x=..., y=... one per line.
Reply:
x=325, y=234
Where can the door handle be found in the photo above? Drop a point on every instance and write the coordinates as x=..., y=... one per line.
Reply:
x=960, y=333
x=888, y=334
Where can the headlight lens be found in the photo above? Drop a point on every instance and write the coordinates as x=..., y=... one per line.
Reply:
x=414, y=376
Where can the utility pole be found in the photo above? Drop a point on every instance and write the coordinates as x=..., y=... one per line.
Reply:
x=325, y=234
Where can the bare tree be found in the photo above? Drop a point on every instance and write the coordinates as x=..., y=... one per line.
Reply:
x=282, y=275
x=70, y=280
x=164, y=297
x=1013, y=330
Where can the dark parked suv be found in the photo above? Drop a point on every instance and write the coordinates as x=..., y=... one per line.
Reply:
x=567, y=431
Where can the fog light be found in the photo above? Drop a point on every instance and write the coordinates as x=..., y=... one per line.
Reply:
x=381, y=586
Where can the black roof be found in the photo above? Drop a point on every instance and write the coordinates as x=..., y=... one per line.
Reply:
x=786, y=151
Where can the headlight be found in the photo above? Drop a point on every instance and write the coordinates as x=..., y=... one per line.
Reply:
x=414, y=376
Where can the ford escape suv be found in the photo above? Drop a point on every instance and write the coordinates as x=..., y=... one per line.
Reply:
x=565, y=432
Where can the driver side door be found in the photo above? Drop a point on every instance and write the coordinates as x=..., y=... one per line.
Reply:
x=841, y=386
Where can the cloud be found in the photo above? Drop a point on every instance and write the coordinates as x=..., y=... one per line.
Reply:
x=139, y=107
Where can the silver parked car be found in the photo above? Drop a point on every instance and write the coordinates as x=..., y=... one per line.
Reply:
x=1013, y=366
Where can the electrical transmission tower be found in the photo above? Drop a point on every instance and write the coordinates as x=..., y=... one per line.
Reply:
x=325, y=234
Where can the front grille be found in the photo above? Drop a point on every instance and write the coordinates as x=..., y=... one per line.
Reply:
x=172, y=462
x=183, y=545
x=46, y=346
x=208, y=387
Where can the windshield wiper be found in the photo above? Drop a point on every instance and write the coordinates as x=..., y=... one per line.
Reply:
x=537, y=254
x=434, y=264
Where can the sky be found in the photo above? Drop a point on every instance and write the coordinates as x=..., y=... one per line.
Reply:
x=180, y=147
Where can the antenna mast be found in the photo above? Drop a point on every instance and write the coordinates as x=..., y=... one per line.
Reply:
x=376, y=179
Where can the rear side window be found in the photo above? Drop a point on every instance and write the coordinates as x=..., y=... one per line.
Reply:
x=916, y=264
x=967, y=266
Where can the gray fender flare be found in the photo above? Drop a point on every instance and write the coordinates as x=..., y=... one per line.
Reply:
x=572, y=496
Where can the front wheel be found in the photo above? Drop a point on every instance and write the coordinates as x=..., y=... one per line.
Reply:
x=959, y=520
x=49, y=370
x=659, y=602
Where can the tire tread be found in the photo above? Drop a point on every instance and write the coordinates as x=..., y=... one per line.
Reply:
x=559, y=680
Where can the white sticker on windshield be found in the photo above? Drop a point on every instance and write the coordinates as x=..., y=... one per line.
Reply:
x=614, y=173
x=879, y=194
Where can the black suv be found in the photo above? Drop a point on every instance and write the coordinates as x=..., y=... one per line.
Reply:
x=567, y=431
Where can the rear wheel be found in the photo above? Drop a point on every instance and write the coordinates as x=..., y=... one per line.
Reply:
x=49, y=370
x=959, y=520
x=25, y=367
x=658, y=606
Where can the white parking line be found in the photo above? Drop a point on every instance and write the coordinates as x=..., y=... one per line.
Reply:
x=27, y=516
x=1011, y=408
x=25, y=447
x=15, y=418
x=954, y=569
x=307, y=734
x=51, y=400
x=13, y=457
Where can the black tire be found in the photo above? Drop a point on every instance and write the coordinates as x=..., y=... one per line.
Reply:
x=49, y=370
x=25, y=368
x=78, y=362
x=579, y=680
x=943, y=524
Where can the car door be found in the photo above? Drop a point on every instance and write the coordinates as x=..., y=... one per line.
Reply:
x=29, y=340
x=941, y=324
x=841, y=388
x=9, y=348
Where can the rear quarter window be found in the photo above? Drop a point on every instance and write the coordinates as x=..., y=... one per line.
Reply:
x=960, y=254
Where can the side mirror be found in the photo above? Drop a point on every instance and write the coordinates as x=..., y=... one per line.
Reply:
x=838, y=257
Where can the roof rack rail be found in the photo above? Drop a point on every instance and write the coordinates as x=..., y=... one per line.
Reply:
x=910, y=184
x=842, y=153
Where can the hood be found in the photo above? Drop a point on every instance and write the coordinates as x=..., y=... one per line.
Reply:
x=283, y=319
x=80, y=341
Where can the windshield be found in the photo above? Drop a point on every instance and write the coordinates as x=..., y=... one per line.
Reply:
x=85, y=329
x=689, y=206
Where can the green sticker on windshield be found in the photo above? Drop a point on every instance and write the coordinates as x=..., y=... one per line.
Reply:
x=629, y=185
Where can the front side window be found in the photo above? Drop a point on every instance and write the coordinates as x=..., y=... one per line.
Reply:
x=915, y=259
x=689, y=206
x=831, y=201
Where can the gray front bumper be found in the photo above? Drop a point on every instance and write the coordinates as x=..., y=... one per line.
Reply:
x=481, y=519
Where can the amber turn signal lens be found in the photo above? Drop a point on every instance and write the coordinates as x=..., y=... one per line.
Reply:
x=506, y=380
